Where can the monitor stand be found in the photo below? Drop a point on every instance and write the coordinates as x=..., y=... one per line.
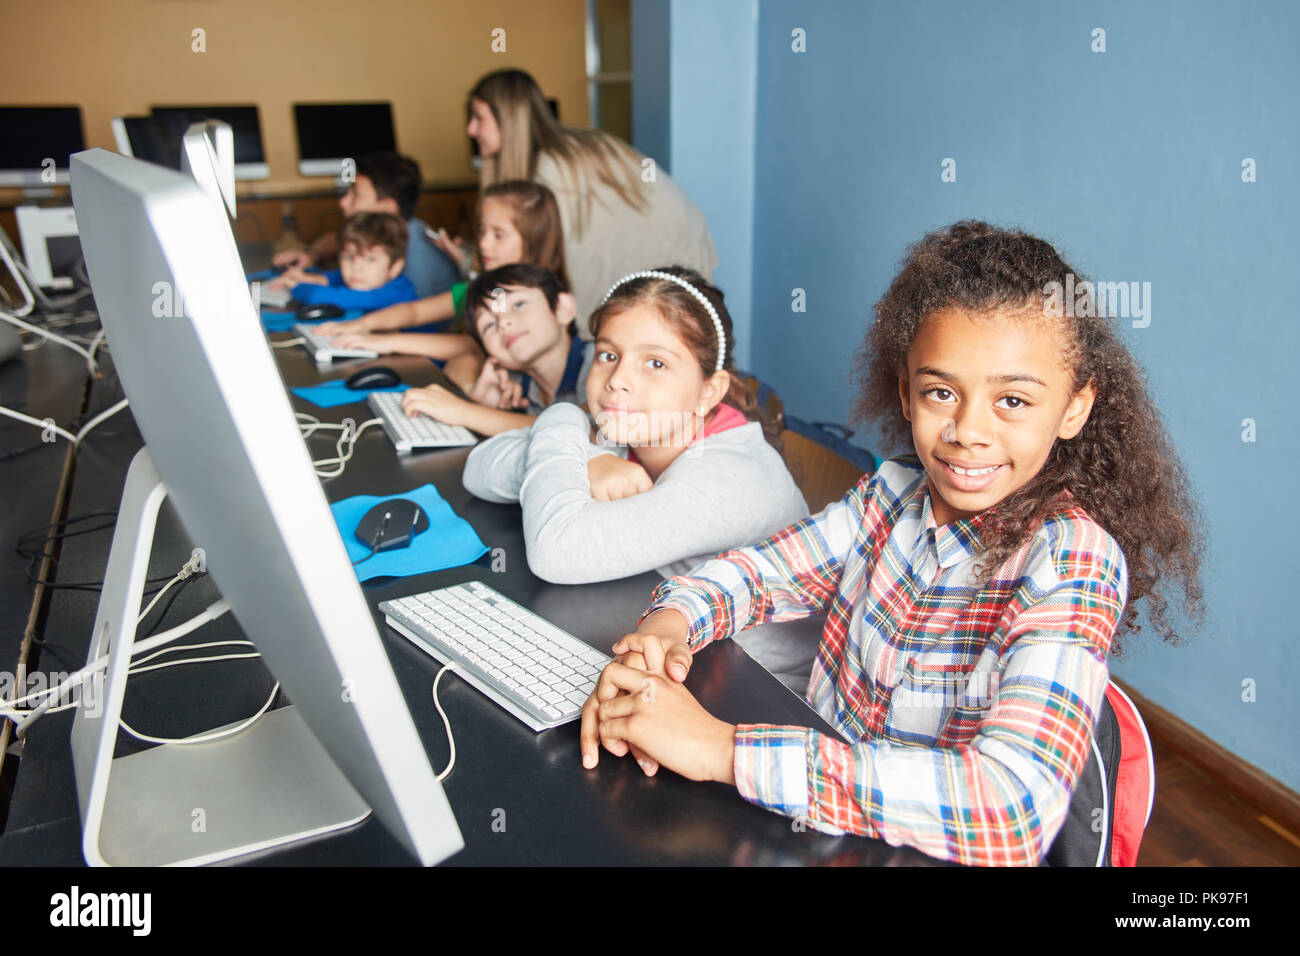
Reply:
x=267, y=786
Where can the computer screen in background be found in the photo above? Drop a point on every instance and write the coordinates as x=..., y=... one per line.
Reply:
x=35, y=143
x=244, y=121
x=144, y=137
x=222, y=444
x=329, y=133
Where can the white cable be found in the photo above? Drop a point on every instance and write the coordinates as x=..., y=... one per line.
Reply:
x=188, y=569
x=451, y=741
x=333, y=467
x=187, y=647
x=287, y=343
x=29, y=303
x=203, y=739
x=211, y=613
x=96, y=342
x=107, y=413
x=37, y=330
x=193, y=660
x=48, y=423
x=44, y=709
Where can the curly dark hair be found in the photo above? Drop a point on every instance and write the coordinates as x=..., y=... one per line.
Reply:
x=1122, y=467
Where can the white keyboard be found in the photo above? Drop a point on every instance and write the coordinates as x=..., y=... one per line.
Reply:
x=409, y=433
x=265, y=295
x=323, y=348
x=535, y=671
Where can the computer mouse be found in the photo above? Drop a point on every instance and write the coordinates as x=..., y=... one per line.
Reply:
x=392, y=524
x=376, y=376
x=321, y=310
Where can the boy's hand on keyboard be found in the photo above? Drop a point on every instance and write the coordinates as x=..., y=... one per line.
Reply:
x=612, y=478
x=383, y=344
x=354, y=326
x=436, y=402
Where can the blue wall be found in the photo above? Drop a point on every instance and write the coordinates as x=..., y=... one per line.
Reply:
x=651, y=89
x=712, y=84
x=1130, y=162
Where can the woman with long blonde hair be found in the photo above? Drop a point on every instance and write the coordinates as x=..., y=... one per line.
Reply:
x=620, y=212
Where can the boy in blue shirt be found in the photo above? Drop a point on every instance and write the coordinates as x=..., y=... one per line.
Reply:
x=369, y=275
x=387, y=182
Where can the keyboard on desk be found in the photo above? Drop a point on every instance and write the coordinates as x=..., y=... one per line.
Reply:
x=409, y=433
x=266, y=296
x=528, y=666
x=323, y=349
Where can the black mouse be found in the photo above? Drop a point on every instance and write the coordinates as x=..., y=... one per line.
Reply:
x=392, y=524
x=376, y=376
x=321, y=310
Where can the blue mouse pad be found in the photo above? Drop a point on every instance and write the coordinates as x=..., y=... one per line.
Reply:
x=330, y=394
x=449, y=542
x=264, y=275
x=278, y=321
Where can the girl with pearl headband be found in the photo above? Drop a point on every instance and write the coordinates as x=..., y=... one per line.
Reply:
x=676, y=466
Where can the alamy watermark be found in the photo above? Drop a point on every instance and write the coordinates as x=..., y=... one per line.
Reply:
x=1117, y=300
x=222, y=298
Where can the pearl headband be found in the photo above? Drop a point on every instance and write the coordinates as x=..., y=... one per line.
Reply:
x=708, y=306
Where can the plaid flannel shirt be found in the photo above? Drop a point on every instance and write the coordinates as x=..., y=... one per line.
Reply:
x=970, y=713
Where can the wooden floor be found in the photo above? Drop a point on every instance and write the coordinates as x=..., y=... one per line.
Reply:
x=1196, y=823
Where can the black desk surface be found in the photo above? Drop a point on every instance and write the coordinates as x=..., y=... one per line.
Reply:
x=48, y=382
x=519, y=797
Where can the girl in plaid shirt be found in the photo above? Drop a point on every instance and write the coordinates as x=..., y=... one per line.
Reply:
x=973, y=588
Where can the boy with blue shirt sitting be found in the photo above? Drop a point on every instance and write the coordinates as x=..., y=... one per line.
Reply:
x=387, y=182
x=369, y=275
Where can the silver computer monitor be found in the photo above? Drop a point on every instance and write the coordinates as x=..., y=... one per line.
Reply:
x=208, y=154
x=222, y=443
x=329, y=133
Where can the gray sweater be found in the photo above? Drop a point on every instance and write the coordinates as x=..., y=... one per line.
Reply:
x=726, y=490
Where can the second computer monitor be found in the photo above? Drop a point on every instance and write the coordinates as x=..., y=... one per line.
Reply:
x=329, y=133
x=35, y=143
x=157, y=138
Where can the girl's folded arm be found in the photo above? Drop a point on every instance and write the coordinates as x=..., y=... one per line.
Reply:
x=494, y=470
x=701, y=505
x=998, y=799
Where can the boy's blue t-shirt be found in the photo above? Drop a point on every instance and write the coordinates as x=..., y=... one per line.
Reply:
x=336, y=293
x=430, y=269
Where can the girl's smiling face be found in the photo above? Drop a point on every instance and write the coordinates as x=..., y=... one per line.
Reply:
x=988, y=394
x=645, y=386
x=499, y=242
